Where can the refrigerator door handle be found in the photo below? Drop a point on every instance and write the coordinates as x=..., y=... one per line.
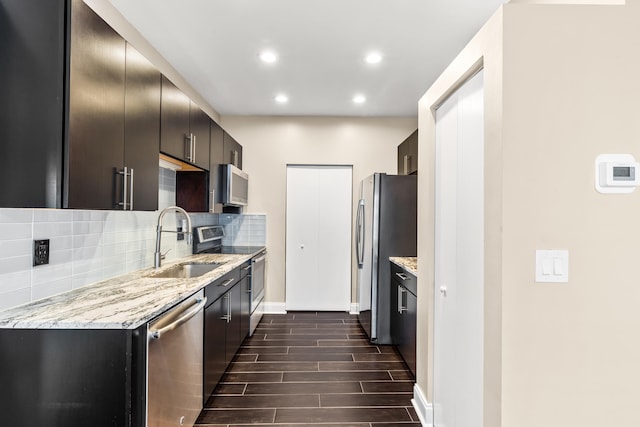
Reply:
x=360, y=234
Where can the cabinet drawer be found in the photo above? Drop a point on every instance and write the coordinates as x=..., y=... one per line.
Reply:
x=215, y=289
x=245, y=269
x=405, y=278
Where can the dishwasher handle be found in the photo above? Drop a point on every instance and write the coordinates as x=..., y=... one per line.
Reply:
x=184, y=318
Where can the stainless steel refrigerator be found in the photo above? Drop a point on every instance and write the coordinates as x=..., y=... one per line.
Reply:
x=386, y=225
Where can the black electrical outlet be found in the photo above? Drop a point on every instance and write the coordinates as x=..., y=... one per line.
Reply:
x=40, y=252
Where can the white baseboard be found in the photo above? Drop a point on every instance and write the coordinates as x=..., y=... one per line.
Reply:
x=422, y=407
x=355, y=308
x=274, y=308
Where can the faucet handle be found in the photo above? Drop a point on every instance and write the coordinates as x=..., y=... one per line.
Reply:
x=164, y=255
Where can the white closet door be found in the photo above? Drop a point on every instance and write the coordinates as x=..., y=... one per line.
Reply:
x=459, y=263
x=318, y=241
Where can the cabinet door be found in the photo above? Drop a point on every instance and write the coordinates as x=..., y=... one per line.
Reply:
x=216, y=158
x=142, y=128
x=215, y=326
x=96, y=111
x=233, y=327
x=199, y=129
x=32, y=33
x=232, y=151
x=174, y=121
x=395, y=316
x=245, y=307
x=408, y=155
x=407, y=347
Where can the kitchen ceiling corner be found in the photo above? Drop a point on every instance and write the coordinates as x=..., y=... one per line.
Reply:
x=320, y=46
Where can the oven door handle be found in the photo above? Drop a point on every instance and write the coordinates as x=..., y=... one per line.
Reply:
x=257, y=260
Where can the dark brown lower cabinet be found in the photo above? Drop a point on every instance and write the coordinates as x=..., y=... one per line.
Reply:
x=404, y=311
x=223, y=326
x=61, y=377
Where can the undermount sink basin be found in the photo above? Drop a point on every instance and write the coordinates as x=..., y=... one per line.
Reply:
x=186, y=271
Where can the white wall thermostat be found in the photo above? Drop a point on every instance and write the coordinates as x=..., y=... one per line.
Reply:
x=617, y=173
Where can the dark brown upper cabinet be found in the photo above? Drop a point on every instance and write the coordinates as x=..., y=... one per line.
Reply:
x=408, y=155
x=216, y=159
x=232, y=151
x=184, y=127
x=142, y=129
x=95, y=145
x=114, y=119
x=32, y=107
x=199, y=130
x=65, y=111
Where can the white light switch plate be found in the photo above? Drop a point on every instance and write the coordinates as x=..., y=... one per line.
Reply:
x=552, y=266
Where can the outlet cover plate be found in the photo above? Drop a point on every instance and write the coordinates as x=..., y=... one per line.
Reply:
x=40, y=252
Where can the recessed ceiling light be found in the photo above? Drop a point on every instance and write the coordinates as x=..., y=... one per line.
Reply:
x=282, y=99
x=268, y=56
x=373, y=58
x=359, y=99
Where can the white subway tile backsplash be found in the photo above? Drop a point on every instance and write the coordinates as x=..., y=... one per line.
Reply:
x=9, y=248
x=60, y=257
x=15, y=231
x=84, y=240
x=90, y=246
x=15, y=264
x=50, y=289
x=50, y=273
x=16, y=281
x=46, y=230
x=52, y=215
x=15, y=298
x=14, y=216
x=84, y=279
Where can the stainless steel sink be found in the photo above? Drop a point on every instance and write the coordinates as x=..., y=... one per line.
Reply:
x=186, y=271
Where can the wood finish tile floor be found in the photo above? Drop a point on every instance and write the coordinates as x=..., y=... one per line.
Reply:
x=307, y=369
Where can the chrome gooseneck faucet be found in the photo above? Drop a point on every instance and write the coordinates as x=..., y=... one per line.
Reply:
x=158, y=256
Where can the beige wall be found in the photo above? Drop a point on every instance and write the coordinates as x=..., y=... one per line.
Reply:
x=558, y=354
x=271, y=143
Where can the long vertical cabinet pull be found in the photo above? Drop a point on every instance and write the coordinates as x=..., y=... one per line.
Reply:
x=401, y=306
x=189, y=151
x=193, y=148
x=131, y=191
x=227, y=316
x=124, y=188
x=127, y=189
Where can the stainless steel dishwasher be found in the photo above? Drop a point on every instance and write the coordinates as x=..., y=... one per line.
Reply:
x=174, y=377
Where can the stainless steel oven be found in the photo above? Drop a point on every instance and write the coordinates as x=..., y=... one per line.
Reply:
x=258, y=270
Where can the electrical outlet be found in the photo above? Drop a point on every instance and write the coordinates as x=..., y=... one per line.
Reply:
x=40, y=252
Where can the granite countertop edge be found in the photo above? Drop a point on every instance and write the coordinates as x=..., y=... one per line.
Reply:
x=123, y=302
x=409, y=264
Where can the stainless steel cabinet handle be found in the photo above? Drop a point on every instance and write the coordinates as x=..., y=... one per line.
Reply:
x=131, y=192
x=402, y=276
x=193, y=148
x=189, y=151
x=227, y=316
x=124, y=174
x=246, y=268
x=226, y=282
x=186, y=315
x=401, y=293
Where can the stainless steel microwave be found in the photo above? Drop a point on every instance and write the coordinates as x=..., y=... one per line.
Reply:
x=235, y=184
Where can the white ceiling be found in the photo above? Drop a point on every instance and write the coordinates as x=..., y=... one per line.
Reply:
x=321, y=44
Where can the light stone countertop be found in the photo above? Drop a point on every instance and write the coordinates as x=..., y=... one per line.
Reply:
x=123, y=302
x=410, y=264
